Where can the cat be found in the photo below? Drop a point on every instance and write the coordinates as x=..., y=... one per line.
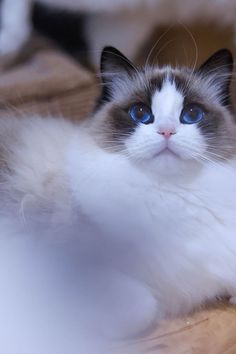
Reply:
x=130, y=213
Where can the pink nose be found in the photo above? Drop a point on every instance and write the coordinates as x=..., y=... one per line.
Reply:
x=167, y=133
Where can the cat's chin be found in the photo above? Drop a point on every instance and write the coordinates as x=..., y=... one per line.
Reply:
x=167, y=155
x=169, y=164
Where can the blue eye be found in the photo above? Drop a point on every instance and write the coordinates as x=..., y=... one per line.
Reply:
x=192, y=114
x=141, y=113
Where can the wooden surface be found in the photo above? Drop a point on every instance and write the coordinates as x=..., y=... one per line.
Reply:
x=50, y=83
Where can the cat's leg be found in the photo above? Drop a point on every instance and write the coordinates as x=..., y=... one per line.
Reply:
x=122, y=307
x=15, y=25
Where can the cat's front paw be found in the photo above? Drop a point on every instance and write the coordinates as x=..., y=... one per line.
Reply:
x=133, y=313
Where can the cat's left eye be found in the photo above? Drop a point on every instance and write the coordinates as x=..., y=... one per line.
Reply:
x=192, y=114
x=141, y=113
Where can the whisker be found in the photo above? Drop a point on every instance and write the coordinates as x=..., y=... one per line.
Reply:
x=155, y=44
x=164, y=46
x=196, y=53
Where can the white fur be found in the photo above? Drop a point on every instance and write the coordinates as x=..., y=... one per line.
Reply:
x=133, y=246
x=168, y=103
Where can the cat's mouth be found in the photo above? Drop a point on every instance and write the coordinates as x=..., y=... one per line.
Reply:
x=166, y=152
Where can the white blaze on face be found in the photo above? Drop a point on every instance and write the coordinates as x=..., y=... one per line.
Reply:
x=167, y=105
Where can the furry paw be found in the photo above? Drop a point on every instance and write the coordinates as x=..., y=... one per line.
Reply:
x=134, y=318
x=128, y=309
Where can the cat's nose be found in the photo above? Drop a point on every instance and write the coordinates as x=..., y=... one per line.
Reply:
x=167, y=133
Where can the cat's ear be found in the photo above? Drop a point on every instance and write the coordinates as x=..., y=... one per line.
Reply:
x=218, y=68
x=115, y=67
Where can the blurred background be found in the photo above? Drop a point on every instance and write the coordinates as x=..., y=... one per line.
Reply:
x=175, y=31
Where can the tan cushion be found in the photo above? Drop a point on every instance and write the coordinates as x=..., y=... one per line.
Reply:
x=47, y=82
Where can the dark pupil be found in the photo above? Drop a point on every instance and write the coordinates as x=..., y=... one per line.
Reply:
x=140, y=112
x=193, y=113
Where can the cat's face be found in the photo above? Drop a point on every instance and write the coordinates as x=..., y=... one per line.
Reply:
x=167, y=119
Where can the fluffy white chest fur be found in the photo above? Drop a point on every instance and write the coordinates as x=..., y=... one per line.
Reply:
x=183, y=231
x=167, y=245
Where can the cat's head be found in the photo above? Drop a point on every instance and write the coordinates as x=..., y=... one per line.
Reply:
x=166, y=119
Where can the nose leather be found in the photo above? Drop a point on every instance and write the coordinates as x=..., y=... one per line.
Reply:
x=167, y=133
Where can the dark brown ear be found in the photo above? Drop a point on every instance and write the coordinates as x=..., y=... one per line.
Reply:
x=114, y=66
x=218, y=68
x=115, y=63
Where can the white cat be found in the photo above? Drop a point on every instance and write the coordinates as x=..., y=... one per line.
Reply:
x=123, y=220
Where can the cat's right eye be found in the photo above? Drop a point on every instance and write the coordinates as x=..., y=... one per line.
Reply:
x=192, y=114
x=141, y=113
